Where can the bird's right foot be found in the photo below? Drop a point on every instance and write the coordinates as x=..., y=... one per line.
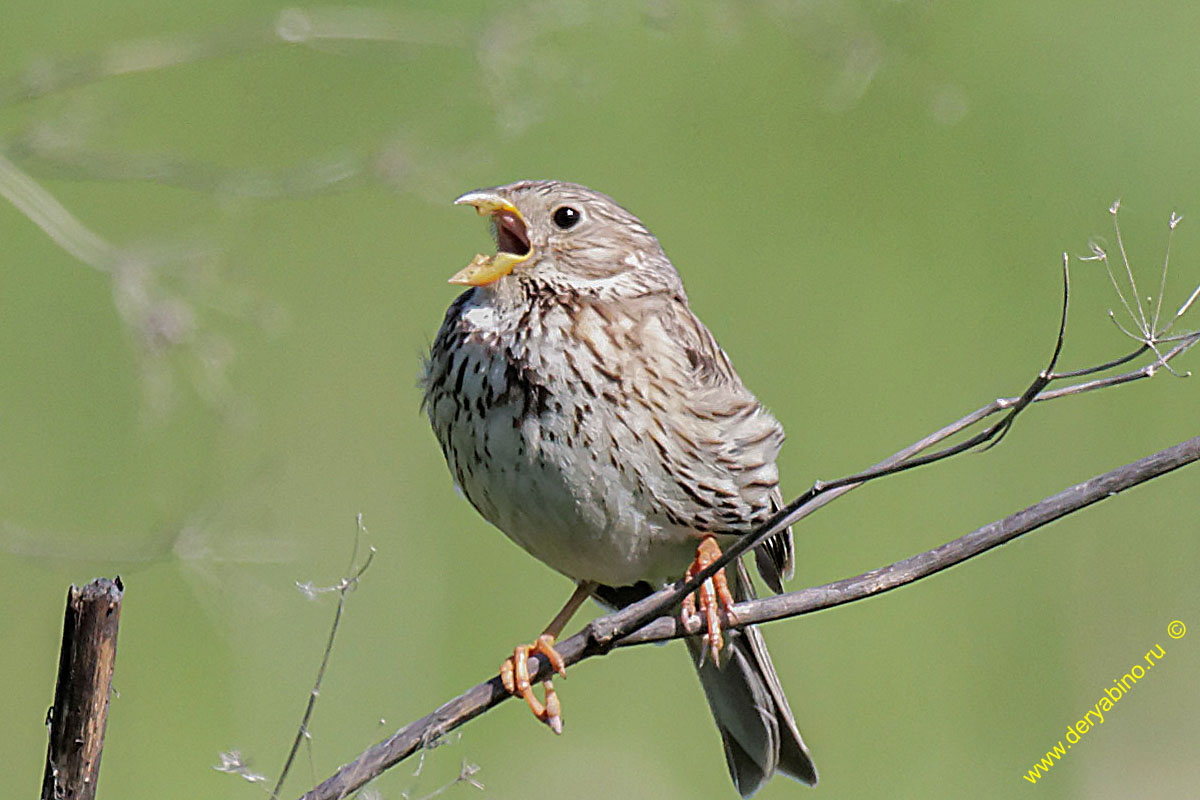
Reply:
x=712, y=597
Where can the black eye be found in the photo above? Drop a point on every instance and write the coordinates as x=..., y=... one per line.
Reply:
x=566, y=217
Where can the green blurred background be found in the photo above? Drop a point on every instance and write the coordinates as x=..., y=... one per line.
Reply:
x=868, y=202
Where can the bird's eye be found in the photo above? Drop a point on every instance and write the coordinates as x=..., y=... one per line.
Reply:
x=566, y=217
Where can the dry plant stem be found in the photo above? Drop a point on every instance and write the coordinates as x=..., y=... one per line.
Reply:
x=980, y=540
x=596, y=638
x=85, y=669
x=906, y=459
x=344, y=586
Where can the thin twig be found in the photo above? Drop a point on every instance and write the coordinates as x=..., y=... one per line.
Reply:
x=1162, y=281
x=342, y=588
x=1140, y=317
x=976, y=542
x=1116, y=362
x=906, y=459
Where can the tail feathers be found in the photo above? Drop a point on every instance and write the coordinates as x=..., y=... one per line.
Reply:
x=747, y=702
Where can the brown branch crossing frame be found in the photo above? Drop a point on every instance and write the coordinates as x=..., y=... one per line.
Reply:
x=649, y=620
x=598, y=637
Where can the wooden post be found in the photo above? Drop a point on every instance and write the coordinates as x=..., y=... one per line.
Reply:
x=85, y=670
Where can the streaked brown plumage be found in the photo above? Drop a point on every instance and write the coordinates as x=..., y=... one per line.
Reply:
x=587, y=413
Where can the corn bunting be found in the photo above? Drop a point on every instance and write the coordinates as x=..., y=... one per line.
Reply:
x=587, y=413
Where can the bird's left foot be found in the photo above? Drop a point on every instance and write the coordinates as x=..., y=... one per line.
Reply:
x=713, y=596
x=514, y=673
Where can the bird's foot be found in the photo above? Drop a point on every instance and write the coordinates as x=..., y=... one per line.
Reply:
x=514, y=673
x=712, y=597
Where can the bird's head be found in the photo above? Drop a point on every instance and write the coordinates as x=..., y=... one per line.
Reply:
x=563, y=234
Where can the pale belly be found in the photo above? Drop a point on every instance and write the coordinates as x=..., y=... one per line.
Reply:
x=551, y=482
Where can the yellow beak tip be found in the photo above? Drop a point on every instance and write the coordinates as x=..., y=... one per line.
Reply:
x=486, y=269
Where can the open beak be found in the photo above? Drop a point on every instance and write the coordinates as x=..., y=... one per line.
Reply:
x=512, y=240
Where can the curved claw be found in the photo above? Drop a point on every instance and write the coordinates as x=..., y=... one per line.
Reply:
x=514, y=674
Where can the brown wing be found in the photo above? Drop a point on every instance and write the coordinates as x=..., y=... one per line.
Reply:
x=723, y=428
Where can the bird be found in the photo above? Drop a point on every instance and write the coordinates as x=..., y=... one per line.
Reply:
x=584, y=410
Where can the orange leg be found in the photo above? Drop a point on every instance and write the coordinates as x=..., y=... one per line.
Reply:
x=713, y=595
x=514, y=672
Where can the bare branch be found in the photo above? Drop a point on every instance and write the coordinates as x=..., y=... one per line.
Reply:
x=906, y=459
x=976, y=542
x=597, y=637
